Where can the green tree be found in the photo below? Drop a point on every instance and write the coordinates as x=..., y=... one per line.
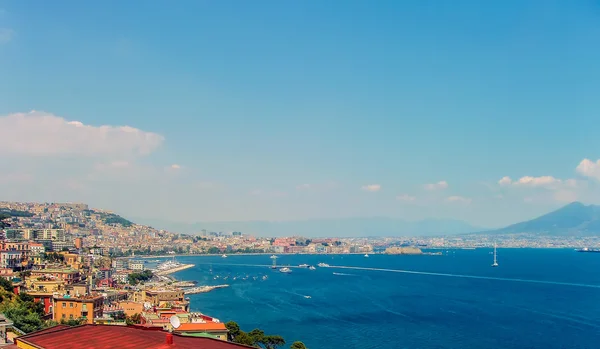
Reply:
x=73, y=322
x=298, y=345
x=273, y=341
x=6, y=284
x=234, y=329
x=133, y=319
x=4, y=217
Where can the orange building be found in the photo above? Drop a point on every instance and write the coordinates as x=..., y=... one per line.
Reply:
x=78, y=243
x=130, y=308
x=72, y=308
x=72, y=259
x=68, y=275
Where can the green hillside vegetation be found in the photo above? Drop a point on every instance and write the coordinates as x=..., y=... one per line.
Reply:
x=16, y=213
x=21, y=309
x=111, y=218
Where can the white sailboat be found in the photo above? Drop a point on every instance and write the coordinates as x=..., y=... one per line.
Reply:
x=495, y=260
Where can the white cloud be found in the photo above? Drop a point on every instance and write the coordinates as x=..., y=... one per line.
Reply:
x=40, y=133
x=371, y=187
x=304, y=186
x=436, y=186
x=505, y=181
x=458, y=199
x=543, y=181
x=406, y=198
x=589, y=168
x=6, y=35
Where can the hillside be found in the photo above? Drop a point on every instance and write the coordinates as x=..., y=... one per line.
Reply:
x=574, y=219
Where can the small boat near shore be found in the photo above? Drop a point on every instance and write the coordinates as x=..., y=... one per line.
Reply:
x=285, y=270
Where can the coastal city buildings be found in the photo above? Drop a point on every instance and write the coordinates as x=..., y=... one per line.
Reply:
x=89, y=266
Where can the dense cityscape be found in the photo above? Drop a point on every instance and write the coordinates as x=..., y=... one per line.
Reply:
x=68, y=264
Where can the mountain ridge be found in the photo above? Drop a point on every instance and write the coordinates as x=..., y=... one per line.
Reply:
x=574, y=219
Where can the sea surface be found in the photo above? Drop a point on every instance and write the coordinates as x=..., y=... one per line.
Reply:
x=536, y=298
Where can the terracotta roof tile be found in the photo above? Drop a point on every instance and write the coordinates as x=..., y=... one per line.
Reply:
x=123, y=337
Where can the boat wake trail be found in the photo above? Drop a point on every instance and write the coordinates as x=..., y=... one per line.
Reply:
x=467, y=276
x=439, y=274
x=343, y=274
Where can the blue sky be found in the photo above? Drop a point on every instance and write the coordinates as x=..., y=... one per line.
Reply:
x=284, y=110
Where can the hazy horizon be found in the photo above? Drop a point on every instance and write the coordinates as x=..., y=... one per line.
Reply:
x=288, y=111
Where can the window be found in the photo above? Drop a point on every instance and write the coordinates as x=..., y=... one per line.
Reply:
x=71, y=316
x=70, y=305
x=64, y=316
x=64, y=305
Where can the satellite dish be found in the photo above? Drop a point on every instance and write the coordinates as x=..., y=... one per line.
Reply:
x=174, y=320
x=147, y=305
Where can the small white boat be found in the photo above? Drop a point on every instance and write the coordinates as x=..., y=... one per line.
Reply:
x=311, y=268
x=285, y=270
x=265, y=277
x=273, y=257
x=303, y=266
x=367, y=255
x=224, y=256
x=323, y=265
x=307, y=297
x=495, y=264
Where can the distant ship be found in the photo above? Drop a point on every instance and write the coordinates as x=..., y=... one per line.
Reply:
x=311, y=268
x=285, y=270
x=367, y=255
x=273, y=257
x=224, y=256
x=495, y=264
x=586, y=249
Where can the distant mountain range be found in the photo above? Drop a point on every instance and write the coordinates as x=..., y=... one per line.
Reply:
x=574, y=219
x=346, y=227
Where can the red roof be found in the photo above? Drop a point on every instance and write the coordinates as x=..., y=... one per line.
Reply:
x=123, y=337
x=199, y=326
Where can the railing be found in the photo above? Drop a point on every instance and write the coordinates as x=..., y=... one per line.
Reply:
x=18, y=330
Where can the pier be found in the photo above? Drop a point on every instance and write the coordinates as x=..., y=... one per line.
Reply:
x=202, y=289
x=173, y=270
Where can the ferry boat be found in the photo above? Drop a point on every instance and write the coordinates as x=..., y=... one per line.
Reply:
x=323, y=265
x=587, y=249
x=285, y=270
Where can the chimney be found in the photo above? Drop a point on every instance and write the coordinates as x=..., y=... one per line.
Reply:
x=169, y=338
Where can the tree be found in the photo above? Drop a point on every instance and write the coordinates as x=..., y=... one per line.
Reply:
x=298, y=345
x=3, y=220
x=273, y=341
x=133, y=319
x=234, y=329
x=73, y=322
x=6, y=284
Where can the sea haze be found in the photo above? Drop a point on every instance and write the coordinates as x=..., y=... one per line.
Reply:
x=346, y=227
x=379, y=309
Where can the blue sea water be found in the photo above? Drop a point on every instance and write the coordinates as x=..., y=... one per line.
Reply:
x=556, y=303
